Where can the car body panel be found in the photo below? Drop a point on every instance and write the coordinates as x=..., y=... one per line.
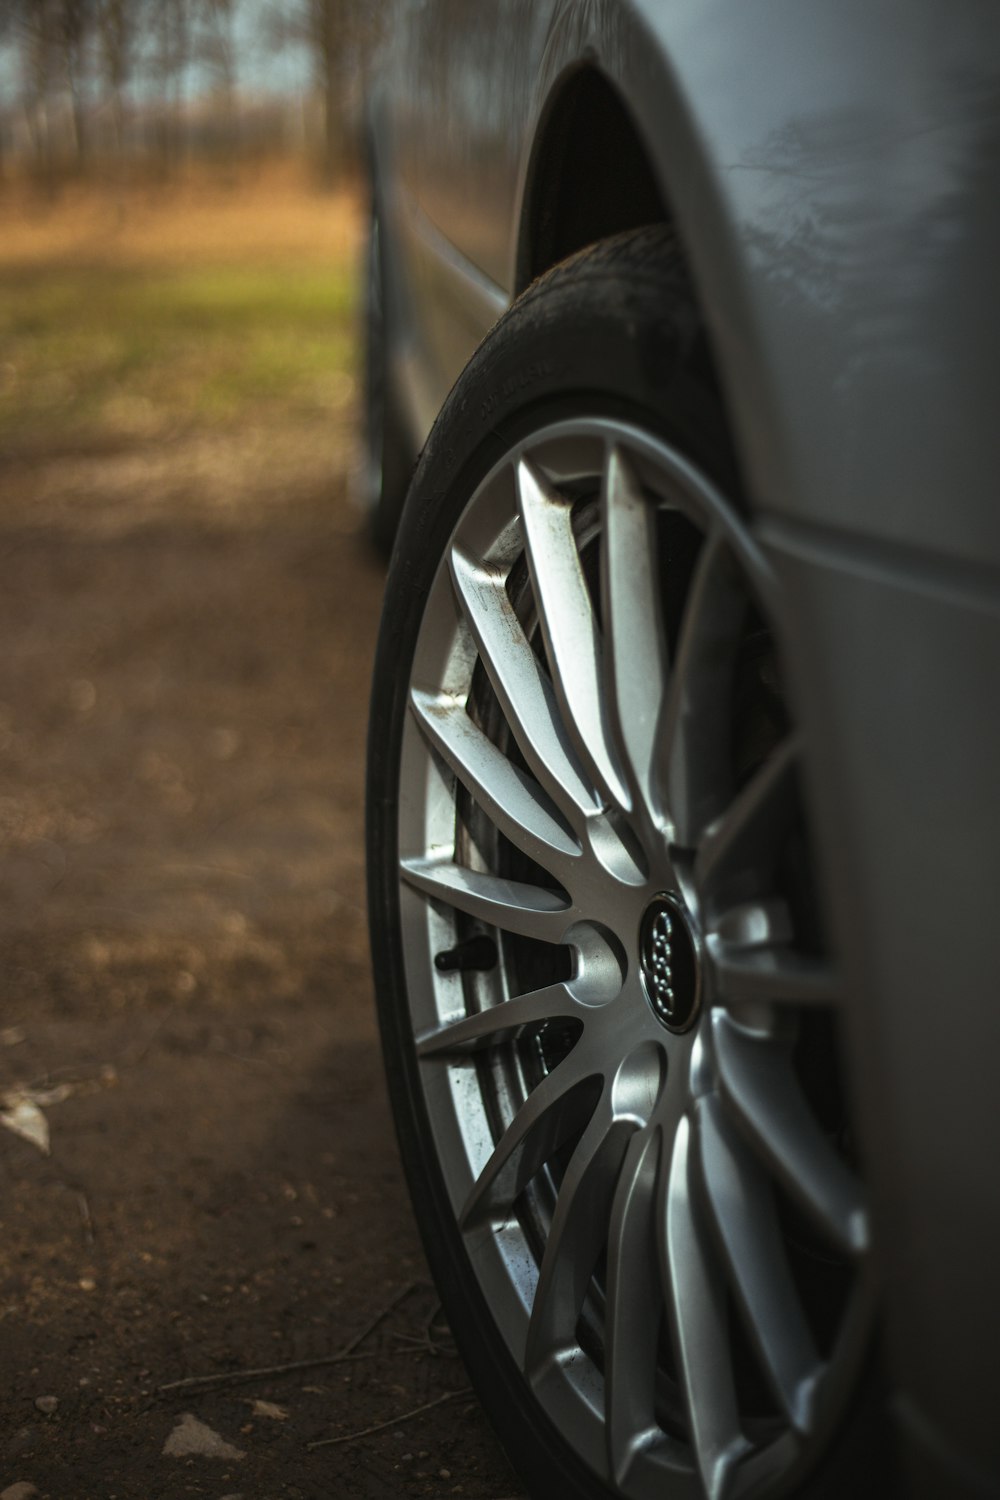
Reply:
x=829, y=215
x=832, y=170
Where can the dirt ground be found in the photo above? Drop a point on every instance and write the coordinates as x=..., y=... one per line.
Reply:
x=188, y=626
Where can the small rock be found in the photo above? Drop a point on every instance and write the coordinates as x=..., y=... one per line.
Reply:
x=47, y=1404
x=88, y=1284
x=444, y=1473
x=22, y=1490
x=193, y=1437
x=82, y=695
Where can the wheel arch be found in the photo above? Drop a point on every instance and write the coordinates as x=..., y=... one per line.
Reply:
x=590, y=174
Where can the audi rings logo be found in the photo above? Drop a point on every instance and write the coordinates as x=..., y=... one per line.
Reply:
x=669, y=963
x=659, y=975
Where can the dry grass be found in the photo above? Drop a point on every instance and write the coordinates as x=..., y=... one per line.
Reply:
x=146, y=312
x=272, y=213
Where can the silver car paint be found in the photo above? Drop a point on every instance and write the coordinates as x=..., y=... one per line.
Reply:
x=833, y=170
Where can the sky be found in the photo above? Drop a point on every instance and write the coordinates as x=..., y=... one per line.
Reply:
x=260, y=67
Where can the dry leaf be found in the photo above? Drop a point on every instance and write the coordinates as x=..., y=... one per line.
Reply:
x=268, y=1409
x=20, y=1112
x=192, y=1437
x=55, y=1095
x=26, y=1120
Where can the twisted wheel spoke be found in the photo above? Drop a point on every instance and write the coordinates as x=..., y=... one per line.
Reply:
x=746, y=1223
x=576, y=1238
x=760, y=1088
x=487, y=1027
x=634, y=1306
x=508, y=904
x=523, y=691
x=751, y=976
x=636, y=655
x=555, y=1111
x=572, y=638
x=695, y=772
x=747, y=836
x=698, y=1314
x=515, y=803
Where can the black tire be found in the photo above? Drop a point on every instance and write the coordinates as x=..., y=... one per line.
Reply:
x=613, y=332
x=388, y=462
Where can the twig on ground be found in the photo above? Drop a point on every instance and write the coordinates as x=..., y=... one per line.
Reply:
x=371, y=1326
x=235, y=1377
x=409, y=1338
x=425, y=1343
x=433, y=1343
x=86, y=1218
x=352, y=1437
x=131, y=1056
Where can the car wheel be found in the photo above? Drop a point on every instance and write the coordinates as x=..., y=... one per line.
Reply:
x=386, y=464
x=608, y=1012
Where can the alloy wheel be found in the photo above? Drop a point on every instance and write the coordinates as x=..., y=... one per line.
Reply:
x=617, y=974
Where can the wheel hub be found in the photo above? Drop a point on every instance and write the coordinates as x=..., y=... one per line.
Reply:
x=668, y=963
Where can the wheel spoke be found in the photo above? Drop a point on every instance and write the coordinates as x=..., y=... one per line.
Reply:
x=742, y=1207
x=576, y=1238
x=746, y=838
x=636, y=653
x=759, y=1086
x=553, y=1112
x=514, y=802
x=634, y=1305
x=510, y=905
x=486, y=1027
x=696, y=772
x=751, y=976
x=523, y=690
x=698, y=1313
x=763, y=923
x=572, y=638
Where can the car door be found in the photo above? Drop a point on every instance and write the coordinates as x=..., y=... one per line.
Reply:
x=464, y=80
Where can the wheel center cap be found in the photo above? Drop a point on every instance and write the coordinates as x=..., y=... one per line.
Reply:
x=668, y=962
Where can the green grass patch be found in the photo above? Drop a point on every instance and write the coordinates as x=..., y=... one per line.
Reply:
x=104, y=353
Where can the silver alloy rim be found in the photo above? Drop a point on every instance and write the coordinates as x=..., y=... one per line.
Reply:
x=644, y=1174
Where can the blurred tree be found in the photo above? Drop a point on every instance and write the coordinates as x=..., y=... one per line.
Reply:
x=338, y=34
x=217, y=51
x=74, y=19
x=168, y=63
x=117, y=25
x=34, y=24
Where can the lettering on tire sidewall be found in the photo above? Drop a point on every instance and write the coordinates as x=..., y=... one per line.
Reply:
x=521, y=380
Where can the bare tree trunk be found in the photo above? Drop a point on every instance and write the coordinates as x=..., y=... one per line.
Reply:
x=74, y=18
x=329, y=38
x=115, y=21
x=38, y=51
x=81, y=127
